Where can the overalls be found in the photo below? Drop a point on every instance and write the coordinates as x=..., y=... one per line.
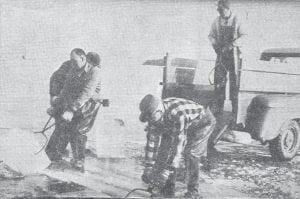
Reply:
x=224, y=64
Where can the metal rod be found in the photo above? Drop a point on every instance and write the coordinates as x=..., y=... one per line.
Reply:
x=43, y=133
x=137, y=189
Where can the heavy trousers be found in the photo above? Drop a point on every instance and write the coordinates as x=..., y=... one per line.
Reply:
x=224, y=65
x=59, y=140
x=73, y=132
x=195, y=149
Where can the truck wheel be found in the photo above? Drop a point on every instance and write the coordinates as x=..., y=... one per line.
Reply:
x=285, y=145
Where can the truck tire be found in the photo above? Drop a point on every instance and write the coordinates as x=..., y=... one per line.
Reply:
x=284, y=147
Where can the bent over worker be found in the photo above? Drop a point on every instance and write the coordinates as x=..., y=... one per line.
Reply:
x=226, y=34
x=79, y=102
x=182, y=127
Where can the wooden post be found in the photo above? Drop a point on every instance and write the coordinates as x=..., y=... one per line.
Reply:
x=166, y=63
x=238, y=65
x=165, y=74
x=227, y=102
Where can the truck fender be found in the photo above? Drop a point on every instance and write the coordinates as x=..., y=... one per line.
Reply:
x=266, y=115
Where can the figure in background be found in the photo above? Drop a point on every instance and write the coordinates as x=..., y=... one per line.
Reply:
x=226, y=37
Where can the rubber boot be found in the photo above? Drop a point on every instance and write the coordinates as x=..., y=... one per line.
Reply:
x=169, y=189
x=73, y=143
x=193, y=166
x=79, y=152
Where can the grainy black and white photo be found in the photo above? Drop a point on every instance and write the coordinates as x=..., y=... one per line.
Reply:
x=150, y=99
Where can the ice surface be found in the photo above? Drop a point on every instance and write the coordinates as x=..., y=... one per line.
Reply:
x=17, y=150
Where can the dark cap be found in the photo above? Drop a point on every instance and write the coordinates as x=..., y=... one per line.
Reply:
x=147, y=106
x=93, y=58
x=223, y=3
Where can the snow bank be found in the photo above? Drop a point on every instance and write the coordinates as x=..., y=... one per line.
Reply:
x=17, y=150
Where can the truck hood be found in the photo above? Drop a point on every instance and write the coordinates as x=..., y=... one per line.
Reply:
x=270, y=67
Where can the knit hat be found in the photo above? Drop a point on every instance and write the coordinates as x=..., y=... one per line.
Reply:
x=223, y=3
x=93, y=58
x=147, y=106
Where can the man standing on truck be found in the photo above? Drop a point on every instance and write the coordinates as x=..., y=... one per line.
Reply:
x=226, y=37
x=76, y=105
x=182, y=127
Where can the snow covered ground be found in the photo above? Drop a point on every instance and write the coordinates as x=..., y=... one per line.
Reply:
x=238, y=171
x=37, y=36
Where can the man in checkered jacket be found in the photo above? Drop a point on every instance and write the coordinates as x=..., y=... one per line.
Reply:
x=176, y=127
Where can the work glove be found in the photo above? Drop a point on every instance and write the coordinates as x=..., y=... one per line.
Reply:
x=53, y=100
x=176, y=161
x=51, y=111
x=159, y=180
x=155, y=191
x=217, y=49
x=227, y=48
x=67, y=116
x=147, y=175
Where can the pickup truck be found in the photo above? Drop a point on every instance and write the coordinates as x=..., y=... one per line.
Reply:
x=268, y=96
